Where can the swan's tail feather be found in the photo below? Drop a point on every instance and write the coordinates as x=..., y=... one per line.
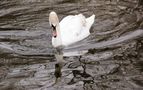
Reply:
x=90, y=21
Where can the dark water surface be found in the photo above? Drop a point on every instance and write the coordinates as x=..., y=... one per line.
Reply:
x=114, y=50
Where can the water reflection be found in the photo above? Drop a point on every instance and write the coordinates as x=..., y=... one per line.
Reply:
x=78, y=75
x=59, y=55
x=58, y=66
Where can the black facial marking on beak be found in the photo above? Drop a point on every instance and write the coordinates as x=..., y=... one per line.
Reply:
x=54, y=31
x=54, y=27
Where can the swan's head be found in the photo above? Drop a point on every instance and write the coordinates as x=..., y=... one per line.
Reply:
x=54, y=22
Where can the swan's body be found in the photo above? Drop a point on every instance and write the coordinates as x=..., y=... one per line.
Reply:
x=71, y=29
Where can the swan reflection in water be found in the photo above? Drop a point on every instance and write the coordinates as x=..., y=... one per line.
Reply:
x=59, y=55
x=58, y=72
x=58, y=66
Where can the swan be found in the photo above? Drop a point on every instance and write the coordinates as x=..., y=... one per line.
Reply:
x=71, y=29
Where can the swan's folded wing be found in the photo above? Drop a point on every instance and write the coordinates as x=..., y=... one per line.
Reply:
x=73, y=29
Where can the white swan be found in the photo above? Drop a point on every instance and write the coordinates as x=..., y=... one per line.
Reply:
x=71, y=29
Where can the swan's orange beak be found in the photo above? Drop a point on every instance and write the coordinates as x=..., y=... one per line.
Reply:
x=54, y=34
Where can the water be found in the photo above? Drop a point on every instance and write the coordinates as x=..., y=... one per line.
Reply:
x=110, y=58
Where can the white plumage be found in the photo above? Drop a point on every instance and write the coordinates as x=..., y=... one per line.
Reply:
x=71, y=29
